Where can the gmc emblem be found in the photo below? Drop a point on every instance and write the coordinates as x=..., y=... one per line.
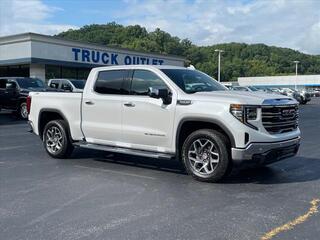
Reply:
x=288, y=112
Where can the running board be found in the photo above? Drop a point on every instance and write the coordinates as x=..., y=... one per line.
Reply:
x=129, y=151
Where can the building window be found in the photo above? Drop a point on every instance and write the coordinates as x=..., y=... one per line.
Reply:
x=66, y=72
x=83, y=73
x=15, y=71
x=53, y=72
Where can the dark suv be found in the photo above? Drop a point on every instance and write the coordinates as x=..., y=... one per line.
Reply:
x=14, y=92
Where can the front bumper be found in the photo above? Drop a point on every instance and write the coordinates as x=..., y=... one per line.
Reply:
x=265, y=153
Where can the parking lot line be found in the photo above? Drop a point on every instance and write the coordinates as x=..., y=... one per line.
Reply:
x=114, y=171
x=290, y=225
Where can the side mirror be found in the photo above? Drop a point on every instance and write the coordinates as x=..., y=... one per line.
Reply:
x=162, y=93
x=67, y=88
x=11, y=86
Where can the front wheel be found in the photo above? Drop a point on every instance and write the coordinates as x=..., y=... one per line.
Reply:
x=56, y=139
x=205, y=155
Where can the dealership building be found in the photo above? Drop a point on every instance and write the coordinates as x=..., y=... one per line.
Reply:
x=301, y=81
x=46, y=57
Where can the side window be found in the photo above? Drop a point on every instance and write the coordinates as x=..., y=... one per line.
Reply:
x=54, y=84
x=3, y=83
x=65, y=84
x=110, y=82
x=142, y=80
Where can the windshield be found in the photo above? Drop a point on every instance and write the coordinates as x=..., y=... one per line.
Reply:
x=253, y=88
x=192, y=81
x=30, y=83
x=78, y=83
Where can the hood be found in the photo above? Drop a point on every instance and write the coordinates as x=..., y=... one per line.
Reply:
x=240, y=97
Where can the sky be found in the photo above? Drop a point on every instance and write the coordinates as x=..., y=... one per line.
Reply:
x=285, y=23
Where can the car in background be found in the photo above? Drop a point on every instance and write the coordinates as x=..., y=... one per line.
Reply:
x=314, y=92
x=68, y=85
x=301, y=96
x=247, y=89
x=14, y=92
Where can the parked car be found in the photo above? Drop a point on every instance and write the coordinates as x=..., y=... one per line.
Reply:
x=314, y=92
x=14, y=92
x=168, y=112
x=245, y=88
x=70, y=85
x=301, y=96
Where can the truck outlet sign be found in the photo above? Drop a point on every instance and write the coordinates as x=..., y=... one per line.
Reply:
x=108, y=58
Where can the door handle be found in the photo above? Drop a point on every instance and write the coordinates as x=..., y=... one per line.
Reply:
x=89, y=102
x=129, y=104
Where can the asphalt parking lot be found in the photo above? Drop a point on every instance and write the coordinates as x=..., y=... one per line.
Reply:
x=97, y=195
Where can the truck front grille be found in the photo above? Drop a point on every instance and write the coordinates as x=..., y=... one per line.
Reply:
x=280, y=119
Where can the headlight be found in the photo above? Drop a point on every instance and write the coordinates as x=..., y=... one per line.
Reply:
x=244, y=113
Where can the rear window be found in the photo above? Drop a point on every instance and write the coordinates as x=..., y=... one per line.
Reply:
x=78, y=83
x=110, y=82
x=30, y=83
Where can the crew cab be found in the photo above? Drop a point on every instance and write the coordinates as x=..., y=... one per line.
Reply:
x=168, y=112
x=14, y=92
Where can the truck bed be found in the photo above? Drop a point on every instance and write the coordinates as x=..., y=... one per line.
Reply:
x=67, y=104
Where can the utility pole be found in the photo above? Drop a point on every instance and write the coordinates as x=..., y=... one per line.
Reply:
x=219, y=62
x=295, y=84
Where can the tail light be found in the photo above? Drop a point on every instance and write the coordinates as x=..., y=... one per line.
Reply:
x=28, y=104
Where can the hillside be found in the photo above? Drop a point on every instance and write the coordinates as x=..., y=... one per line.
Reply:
x=238, y=60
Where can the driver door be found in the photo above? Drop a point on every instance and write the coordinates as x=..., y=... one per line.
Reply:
x=147, y=123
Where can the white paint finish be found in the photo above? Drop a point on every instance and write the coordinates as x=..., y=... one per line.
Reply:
x=101, y=122
x=280, y=80
x=67, y=103
x=149, y=124
x=38, y=71
x=108, y=122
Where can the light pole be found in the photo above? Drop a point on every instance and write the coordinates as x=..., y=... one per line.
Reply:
x=219, y=61
x=295, y=84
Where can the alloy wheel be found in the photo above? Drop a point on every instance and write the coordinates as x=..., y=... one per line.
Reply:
x=54, y=139
x=203, y=156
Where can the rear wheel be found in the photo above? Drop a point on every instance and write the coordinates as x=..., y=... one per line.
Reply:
x=205, y=155
x=56, y=139
x=23, y=112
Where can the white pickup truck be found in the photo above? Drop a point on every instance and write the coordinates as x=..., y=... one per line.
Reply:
x=167, y=112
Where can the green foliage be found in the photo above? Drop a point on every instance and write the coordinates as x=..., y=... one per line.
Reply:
x=238, y=60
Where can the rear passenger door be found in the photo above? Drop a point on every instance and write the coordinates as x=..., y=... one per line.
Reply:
x=102, y=108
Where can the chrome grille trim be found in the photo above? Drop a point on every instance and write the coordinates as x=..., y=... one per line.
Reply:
x=280, y=118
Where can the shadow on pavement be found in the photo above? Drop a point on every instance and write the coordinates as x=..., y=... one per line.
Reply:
x=8, y=118
x=122, y=159
x=298, y=169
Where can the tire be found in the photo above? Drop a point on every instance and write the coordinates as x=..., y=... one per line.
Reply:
x=214, y=154
x=56, y=140
x=22, y=111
